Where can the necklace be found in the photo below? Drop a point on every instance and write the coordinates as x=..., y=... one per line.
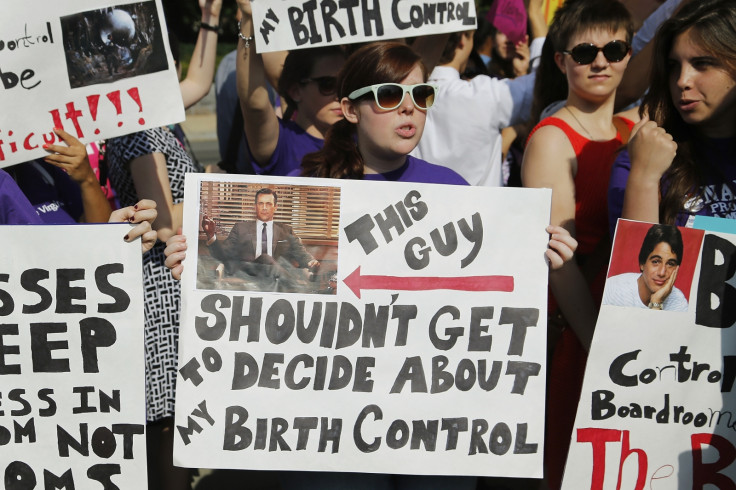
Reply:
x=579, y=123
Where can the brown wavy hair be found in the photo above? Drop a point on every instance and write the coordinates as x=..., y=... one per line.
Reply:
x=381, y=62
x=712, y=26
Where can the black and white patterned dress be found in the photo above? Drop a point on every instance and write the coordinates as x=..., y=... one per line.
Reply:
x=161, y=290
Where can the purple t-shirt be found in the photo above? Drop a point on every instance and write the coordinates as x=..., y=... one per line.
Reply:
x=56, y=197
x=292, y=145
x=718, y=195
x=616, y=188
x=421, y=172
x=413, y=170
x=14, y=206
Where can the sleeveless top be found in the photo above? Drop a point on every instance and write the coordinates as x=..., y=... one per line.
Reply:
x=567, y=364
x=595, y=159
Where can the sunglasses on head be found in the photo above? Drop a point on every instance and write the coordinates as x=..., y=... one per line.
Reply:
x=389, y=96
x=584, y=54
x=325, y=85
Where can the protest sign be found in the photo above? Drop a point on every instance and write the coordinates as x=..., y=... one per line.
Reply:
x=295, y=24
x=72, y=404
x=417, y=345
x=93, y=68
x=657, y=404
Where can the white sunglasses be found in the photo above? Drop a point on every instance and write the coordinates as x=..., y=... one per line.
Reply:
x=389, y=96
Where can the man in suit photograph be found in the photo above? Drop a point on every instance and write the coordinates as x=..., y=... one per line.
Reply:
x=260, y=247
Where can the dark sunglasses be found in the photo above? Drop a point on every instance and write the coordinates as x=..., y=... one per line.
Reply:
x=325, y=85
x=584, y=54
x=389, y=96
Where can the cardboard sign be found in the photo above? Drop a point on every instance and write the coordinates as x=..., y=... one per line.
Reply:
x=417, y=346
x=72, y=402
x=657, y=408
x=296, y=24
x=92, y=68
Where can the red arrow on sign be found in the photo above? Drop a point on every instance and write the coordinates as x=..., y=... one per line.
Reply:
x=356, y=283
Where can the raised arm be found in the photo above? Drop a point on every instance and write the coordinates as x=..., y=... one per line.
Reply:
x=549, y=160
x=72, y=158
x=260, y=122
x=538, y=25
x=202, y=65
x=151, y=181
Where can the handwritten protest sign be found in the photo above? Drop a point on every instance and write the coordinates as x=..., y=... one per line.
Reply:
x=295, y=24
x=71, y=358
x=94, y=68
x=657, y=405
x=416, y=346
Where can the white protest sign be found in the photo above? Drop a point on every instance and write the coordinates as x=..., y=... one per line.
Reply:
x=71, y=358
x=296, y=24
x=657, y=408
x=417, y=346
x=94, y=68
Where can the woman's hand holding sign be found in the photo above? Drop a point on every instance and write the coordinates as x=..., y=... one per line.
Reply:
x=562, y=247
x=142, y=215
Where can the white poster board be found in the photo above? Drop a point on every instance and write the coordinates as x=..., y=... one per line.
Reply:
x=417, y=348
x=657, y=408
x=296, y=24
x=72, y=401
x=59, y=69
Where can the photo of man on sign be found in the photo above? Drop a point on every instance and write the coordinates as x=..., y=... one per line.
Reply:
x=262, y=250
x=663, y=261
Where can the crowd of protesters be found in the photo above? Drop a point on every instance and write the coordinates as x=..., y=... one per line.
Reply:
x=623, y=109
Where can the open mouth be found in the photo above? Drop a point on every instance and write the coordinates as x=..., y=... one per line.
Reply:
x=406, y=131
x=687, y=105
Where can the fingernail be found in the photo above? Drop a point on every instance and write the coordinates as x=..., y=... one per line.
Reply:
x=126, y=237
x=45, y=145
x=135, y=207
x=57, y=129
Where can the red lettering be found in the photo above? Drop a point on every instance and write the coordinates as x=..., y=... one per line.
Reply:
x=57, y=119
x=641, y=462
x=598, y=439
x=27, y=142
x=73, y=114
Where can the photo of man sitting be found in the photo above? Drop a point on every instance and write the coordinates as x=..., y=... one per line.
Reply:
x=260, y=247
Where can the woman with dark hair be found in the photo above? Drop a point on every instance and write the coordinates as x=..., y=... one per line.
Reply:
x=659, y=260
x=384, y=97
x=583, y=62
x=307, y=83
x=682, y=159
